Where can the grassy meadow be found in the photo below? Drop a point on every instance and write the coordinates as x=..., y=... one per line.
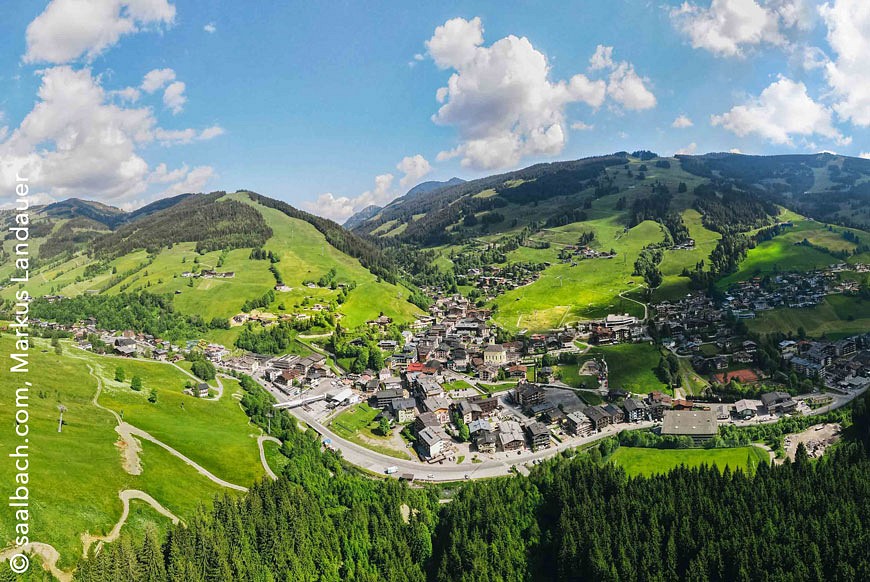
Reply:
x=631, y=367
x=76, y=474
x=638, y=461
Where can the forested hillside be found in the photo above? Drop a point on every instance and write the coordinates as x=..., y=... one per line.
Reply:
x=570, y=519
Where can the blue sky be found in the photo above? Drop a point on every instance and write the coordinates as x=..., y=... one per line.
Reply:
x=335, y=105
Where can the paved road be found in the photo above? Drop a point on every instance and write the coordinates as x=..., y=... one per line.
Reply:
x=377, y=462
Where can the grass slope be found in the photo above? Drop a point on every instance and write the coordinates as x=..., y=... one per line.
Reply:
x=638, y=461
x=631, y=367
x=75, y=475
x=837, y=316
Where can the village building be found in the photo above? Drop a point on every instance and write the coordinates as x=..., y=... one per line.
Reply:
x=699, y=425
x=539, y=435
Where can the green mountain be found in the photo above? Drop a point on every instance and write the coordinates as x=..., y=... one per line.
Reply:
x=674, y=224
x=283, y=261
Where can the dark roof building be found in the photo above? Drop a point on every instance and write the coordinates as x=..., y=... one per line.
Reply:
x=699, y=425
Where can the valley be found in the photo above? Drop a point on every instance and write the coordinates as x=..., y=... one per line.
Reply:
x=476, y=333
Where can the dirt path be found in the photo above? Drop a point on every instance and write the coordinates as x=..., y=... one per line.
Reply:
x=645, y=307
x=199, y=468
x=217, y=378
x=260, y=440
x=126, y=496
x=127, y=445
x=45, y=552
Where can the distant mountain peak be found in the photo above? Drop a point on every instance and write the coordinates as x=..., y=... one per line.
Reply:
x=431, y=185
x=361, y=216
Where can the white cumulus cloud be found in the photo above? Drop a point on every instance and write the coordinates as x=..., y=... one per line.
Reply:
x=414, y=168
x=174, y=97
x=682, y=122
x=782, y=111
x=78, y=141
x=157, y=79
x=848, y=75
x=340, y=208
x=501, y=98
x=729, y=27
x=69, y=29
x=210, y=28
x=580, y=126
x=688, y=150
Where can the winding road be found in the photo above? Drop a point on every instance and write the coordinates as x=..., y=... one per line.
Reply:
x=500, y=466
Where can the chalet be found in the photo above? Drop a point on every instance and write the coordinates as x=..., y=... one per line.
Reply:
x=805, y=367
x=579, y=424
x=598, y=417
x=303, y=364
x=442, y=352
x=516, y=371
x=781, y=402
x=476, y=426
x=440, y=407
x=635, y=410
x=539, y=435
x=486, y=441
x=554, y=416
x=431, y=442
x=318, y=371
x=541, y=408
x=201, y=390
x=381, y=322
x=285, y=377
x=427, y=387
x=426, y=420
x=487, y=373
x=699, y=425
x=404, y=409
x=487, y=404
x=126, y=347
x=465, y=410
x=458, y=360
x=384, y=398
x=510, y=436
x=616, y=414
x=745, y=409
x=527, y=395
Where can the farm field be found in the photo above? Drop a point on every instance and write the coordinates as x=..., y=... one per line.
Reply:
x=837, y=316
x=631, y=367
x=79, y=471
x=637, y=461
